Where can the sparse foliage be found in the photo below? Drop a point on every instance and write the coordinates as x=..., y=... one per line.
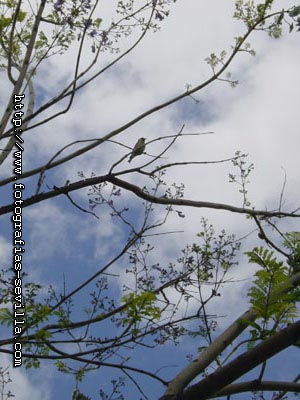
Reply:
x=134, y=299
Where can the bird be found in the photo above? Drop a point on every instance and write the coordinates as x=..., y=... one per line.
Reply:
x=138, y=149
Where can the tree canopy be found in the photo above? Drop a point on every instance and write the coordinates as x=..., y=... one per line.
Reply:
x=100, y=282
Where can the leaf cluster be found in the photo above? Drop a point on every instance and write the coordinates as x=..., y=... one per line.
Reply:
x=272, y=309
x=139, y=307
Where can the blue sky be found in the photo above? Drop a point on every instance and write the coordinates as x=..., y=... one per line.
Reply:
x=259, y=117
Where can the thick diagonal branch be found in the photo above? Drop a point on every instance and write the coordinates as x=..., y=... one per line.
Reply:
x=244, y=363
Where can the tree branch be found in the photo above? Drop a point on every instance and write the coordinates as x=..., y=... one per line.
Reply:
x=253, y=386
x=57, y=191
x=243, y=364
x=207, y=356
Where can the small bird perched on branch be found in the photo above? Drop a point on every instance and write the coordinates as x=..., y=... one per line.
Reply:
x=138, y=149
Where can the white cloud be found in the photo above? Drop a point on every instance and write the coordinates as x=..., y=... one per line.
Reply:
x=25, y=388
x=49, y=229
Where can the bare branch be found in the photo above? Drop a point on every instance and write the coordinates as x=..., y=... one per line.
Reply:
x=24, y=68
x=244, y=363
x=255, y=386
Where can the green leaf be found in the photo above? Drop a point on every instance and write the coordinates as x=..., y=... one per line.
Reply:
x=31, y=363
x=6, y=316
x=61, y=366
x=42, y=335
x=251, y=323
x=98, y=22
x=80, y=375
x=294, y=11
x=21, y=16
x=140, y=306
x=266, y=299
x=4, y=22
x=11, y=3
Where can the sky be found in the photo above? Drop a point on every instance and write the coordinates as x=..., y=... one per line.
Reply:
x=259, y=117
